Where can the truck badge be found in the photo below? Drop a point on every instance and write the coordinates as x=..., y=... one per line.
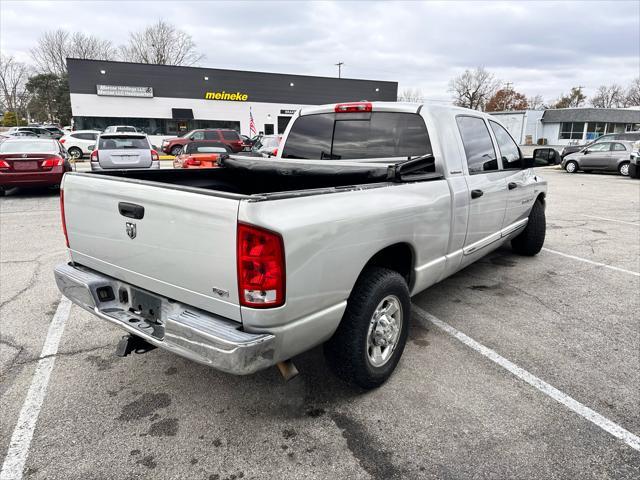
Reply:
x=131, y=230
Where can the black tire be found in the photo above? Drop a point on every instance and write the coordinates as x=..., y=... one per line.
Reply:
x=531, y=240
x=347, y=351
x=3, y=192
x=574, y=168
x=622, y=169
x=175, y=151
x=76, y=153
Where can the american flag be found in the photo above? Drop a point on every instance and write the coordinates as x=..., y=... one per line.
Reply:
x=252, y=125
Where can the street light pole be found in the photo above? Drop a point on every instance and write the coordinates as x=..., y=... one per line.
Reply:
x=339, y=65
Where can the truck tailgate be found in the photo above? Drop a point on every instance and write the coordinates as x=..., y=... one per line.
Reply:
x=183, y=247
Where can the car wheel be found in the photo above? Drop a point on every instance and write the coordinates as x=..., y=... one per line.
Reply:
x=623, y=169
x=530, y=241
x=3, y=192
x=75, y=153
x=571, y=166
x=369, y=341
x=175, y=151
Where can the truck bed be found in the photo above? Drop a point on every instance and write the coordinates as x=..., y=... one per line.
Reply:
x=250, y=176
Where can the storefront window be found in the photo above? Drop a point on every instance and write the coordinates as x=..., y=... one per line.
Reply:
x=615, y=127
x=571, y=130
x=595, y=130
x=153, y=126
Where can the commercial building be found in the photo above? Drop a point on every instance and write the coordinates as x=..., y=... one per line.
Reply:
x=170, y=100
x=568, y=126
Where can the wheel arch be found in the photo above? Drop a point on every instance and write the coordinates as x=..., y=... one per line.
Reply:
x=399, y=257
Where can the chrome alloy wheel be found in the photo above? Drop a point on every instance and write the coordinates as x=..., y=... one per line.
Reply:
x=571, y=167
x=384, y=330
x=624, y=169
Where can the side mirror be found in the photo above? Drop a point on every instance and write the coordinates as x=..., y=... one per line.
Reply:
x=586, y=151
x=528, y=162
x=91, y=148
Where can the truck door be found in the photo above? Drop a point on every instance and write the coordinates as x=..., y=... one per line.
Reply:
x=486, y=184
x=520, y=183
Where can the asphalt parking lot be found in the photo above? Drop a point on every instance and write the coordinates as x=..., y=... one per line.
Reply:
x=568, y=317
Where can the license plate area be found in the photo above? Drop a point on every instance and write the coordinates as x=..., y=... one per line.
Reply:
x=22, y=165
x=146, y=305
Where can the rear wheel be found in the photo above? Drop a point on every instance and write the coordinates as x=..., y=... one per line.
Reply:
x=175, y=151
x=2, y=192
x=623, y=169
x=372, y=334
x=571, y=166
x=530, y=241
x=75, y=153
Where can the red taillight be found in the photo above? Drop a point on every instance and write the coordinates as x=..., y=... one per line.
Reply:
x=275, y=152
x=154, y=156
x=4, y=165
x=192, y=162
x=62, y=140
x=94, y=156
x=64, y=220
x=353, y=107
x=261, y=268
x=52, y=162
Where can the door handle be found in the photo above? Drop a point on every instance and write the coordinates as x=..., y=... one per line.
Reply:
x=476, y=193
x=131, y=210
x=512, y=185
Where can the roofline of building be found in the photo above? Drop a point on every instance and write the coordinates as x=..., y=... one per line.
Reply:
x=207, y=69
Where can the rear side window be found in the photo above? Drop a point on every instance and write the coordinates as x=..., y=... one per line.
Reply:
x=481, y=157
x=230, y=135
x=331, y=136
x=618, y=147
x=122, y=142
x=84, y=136
x=508, y=149
x=211, y=135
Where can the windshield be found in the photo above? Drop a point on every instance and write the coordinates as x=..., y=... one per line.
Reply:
x=29, y=146
x=340, y=136
x=267, y=142
x=122, y=142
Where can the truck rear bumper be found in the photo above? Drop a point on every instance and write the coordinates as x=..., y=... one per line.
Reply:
x=186, y=331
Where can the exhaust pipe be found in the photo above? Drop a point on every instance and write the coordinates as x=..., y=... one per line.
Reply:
x=287, y=369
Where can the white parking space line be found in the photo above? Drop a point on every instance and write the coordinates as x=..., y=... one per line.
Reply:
x=594, y=417
x=636, y=224
x=597, y=264
x=23, y=433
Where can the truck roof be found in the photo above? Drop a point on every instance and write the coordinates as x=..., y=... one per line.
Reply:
x=400, y=107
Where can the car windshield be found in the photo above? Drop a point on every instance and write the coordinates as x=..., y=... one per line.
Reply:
x=122, y=142
x=29, y=146
x=208, y=147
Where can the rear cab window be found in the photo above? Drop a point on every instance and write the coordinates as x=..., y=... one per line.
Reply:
x=345, y=136
x=478, y=147
x=122, y=142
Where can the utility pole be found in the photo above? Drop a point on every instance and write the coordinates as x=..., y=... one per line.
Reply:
x=339, y=65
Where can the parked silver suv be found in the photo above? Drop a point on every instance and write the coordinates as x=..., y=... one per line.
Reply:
x=123, y=151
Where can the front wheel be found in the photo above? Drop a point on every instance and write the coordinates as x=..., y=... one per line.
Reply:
x=175, y=151
x=530, y=241
x=623, y=169
x=369, y=342
x=571, y=166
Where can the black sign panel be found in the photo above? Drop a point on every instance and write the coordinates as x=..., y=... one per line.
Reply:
x=189, y=82
x=182, y=114
x=287, y=112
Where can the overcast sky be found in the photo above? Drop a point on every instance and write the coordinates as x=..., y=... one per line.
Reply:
x=541, y=47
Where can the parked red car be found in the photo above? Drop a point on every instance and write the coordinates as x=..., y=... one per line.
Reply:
x=32, y=163
x=201, y=155
x=231, y=138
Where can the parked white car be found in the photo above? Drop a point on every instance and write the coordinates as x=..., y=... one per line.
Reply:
x=77, y=143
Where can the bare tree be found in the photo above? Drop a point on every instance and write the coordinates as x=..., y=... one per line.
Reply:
x=608, y=97
x=536, y=102
x=13, y=80
x=473, y=88
x=413, y=95
x=632, y=95
x=55, y=46
x=161, y=43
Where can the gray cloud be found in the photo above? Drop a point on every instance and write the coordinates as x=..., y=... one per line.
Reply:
x=542, y=47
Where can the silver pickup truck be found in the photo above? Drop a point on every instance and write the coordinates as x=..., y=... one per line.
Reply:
x=244, y=266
